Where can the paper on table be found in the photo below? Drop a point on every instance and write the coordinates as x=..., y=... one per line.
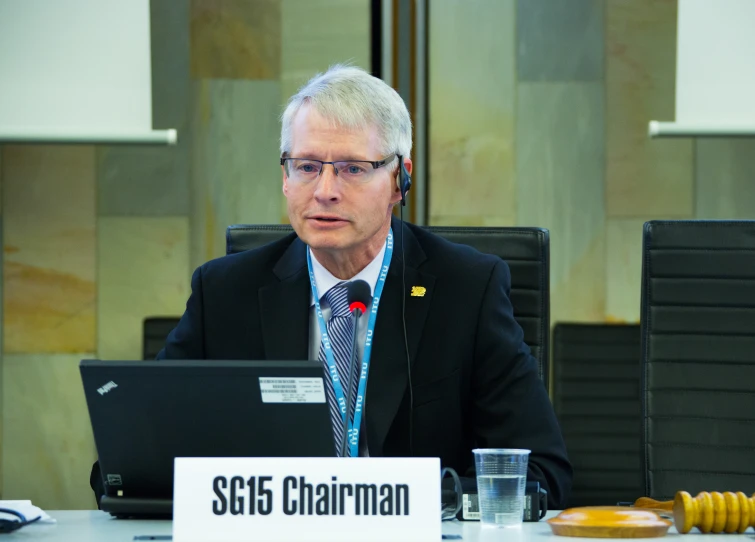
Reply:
x=27, y=509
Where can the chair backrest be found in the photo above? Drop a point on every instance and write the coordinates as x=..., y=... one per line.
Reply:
x=596, y=396
x=154, y=332
x=698, y=350
x=525, y=250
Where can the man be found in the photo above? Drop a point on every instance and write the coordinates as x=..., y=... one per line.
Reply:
x=474, y=383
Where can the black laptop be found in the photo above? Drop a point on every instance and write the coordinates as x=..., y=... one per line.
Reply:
x=146, y=413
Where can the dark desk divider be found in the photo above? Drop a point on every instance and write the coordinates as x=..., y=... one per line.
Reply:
x=155, y=332
x=698, y=351
x=597, y=400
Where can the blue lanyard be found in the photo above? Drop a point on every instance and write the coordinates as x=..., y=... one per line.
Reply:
x=354, y=425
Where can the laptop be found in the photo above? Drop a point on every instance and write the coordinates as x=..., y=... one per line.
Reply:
x=146, y=413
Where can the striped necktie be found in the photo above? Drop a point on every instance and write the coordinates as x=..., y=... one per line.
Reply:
x=340, y=331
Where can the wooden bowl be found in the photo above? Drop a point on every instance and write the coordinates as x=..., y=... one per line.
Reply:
x=609, y=522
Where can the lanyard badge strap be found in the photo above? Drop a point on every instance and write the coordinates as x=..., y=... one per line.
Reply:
x=354, y=425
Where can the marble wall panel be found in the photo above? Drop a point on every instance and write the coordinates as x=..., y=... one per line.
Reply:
x=143, y=271
x=472, y=103
x=644, y=177
x=560, y=165
x=47, y=443
x=236, y=39
x=49, y=249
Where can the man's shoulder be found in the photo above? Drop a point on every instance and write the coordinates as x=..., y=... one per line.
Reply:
x=255, y=262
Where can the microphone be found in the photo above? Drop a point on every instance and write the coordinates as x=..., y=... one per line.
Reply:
x=359, y=295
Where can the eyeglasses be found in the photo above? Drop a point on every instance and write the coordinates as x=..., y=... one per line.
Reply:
x=352, y=171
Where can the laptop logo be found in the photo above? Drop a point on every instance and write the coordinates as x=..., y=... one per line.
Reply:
x=107, y=387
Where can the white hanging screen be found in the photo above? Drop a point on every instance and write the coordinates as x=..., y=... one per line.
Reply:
x=78, y=65
x=715, y=62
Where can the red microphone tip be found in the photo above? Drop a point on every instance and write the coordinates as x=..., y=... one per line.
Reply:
x=358, y=305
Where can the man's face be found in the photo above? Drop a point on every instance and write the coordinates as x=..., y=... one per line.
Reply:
x=330, y=213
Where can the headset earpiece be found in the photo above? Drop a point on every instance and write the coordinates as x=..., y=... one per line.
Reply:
x=403, y=179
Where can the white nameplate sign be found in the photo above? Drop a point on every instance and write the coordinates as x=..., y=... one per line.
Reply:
x=306, y=499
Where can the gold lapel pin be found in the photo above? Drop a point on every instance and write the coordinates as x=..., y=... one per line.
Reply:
x=418, y=291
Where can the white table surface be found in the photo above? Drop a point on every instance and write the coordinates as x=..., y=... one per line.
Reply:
x=96, y=526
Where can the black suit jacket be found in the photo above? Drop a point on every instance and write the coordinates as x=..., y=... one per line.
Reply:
x=474, y=381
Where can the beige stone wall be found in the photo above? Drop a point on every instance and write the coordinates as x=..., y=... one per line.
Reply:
x=538, y=117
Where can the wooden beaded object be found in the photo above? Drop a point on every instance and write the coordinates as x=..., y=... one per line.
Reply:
x=711, y=512
x=714, y=512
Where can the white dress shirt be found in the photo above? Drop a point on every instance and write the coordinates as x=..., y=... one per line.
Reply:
x=325, y=281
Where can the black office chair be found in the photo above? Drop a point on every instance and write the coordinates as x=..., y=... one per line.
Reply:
x=155, y=331
x=698, y=350
x=526, y=250
x=596, y=396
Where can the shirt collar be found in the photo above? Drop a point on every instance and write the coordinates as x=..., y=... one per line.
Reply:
x=325, y=280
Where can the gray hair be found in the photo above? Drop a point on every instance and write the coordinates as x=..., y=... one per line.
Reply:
x=353, y=98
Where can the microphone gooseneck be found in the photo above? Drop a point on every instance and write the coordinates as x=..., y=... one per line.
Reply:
x=359, y=296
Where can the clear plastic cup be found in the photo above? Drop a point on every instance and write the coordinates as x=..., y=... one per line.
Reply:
x=501, y=478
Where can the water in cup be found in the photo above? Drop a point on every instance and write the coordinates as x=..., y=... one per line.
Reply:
x=501, y=481
x=501, y=498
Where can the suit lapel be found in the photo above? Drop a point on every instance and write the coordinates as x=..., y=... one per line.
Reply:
x=285, y=326
x=387, y=381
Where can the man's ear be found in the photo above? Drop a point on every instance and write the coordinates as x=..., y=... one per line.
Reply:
x=408, y=165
